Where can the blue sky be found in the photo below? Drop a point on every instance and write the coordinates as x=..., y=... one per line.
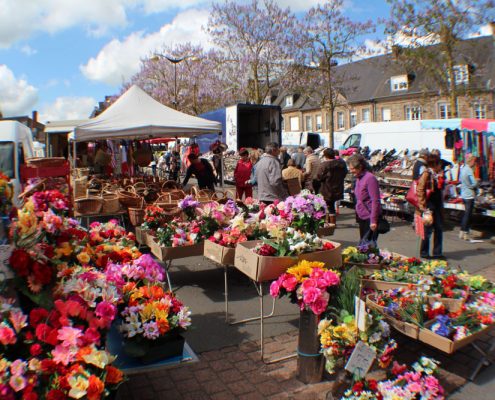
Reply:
x=61, y=57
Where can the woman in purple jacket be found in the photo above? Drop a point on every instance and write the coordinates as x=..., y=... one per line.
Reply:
x=367, y=195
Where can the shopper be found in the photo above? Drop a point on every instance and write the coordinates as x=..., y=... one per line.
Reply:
x=331, y=175
x=268, y=176
x=311, y=170
x=283, y=157
x=468, y=193
x=202, y=170
x=367, y=195
x=292, y=172
x=242, y=174
x=430, y=198
x=299, y=157
x=420, y=165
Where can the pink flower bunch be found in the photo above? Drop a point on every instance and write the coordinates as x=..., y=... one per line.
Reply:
x=228, y=237
x=50, y=199
x=144, y=268
x=308, y=284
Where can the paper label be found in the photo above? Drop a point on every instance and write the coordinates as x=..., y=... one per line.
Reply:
x=361, y=360
x=360, y=313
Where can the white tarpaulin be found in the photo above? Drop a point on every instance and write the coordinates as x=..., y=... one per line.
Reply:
x=137, y=115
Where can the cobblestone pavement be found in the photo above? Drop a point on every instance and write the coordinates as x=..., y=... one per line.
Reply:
x=236, y=372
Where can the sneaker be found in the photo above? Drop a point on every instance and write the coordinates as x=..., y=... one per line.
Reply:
x=461, y=235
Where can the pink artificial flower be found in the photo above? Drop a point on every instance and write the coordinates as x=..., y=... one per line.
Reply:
x=17, y=382
x=414, y=387
x=69, y=336
x=320, y=305
x=18, y=367
x=317, y=273
x=91, y=336
x=311, y=294
x=7, y=334
x=275, y=288
x=289, y=283
x=18, y=319
x=309, y=283
x=331, y=278
x=106, y=311
x=63, y=354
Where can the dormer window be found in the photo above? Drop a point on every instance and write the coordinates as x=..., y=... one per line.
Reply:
x=289, y=101
x=398, y=83
x=461, y=74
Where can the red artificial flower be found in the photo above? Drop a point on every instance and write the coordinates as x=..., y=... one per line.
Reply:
x=55, y=394
x=48, y=366
x=35, y=349
x=114, y=375
x=398, y=369
x=95, y=388
x=46, y=334
x=373, y=385
x=20, y=262
x=36, y=316
x=29, y=393
x=328, y=246
x=358, y=387
x=42, y=273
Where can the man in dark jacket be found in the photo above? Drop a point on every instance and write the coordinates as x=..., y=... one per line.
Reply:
x=331, y=175
x=202, y=170
x=420, y=165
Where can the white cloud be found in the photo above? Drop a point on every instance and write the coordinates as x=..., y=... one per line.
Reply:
x=118, y=60
x=28, y=50
x=17, y=96
x=485, y=30
x=67, y=108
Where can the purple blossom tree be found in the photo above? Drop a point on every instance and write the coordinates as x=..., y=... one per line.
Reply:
x=425, y=35
x=257, y=40
x=327, y=38
x=201, y=81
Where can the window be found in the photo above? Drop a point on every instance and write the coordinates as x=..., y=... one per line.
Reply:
x=267, y=101
x=412, y=113
x=340, y=120
x=7, y=158
x=386, y=114
x=309, y=123
x=479, y=111
x=444, y=111
x=289, y=101
x=282, y=125
x=353, y=118
x=353, y=141
x=318, y=123
x=398, y=83
x=366, y=115
x=461, y=74
x=294, y=123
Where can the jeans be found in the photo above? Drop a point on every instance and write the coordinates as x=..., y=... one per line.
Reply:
x=468, y=213
x=437, y=229
x=364, y=228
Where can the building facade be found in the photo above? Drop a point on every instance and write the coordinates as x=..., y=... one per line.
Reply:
x=379, y=89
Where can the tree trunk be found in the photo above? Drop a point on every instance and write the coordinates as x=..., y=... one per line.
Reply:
x=331, y=130
x=452, y=89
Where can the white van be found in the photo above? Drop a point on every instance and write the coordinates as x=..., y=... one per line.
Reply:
x=16, y=145
x=398, y=135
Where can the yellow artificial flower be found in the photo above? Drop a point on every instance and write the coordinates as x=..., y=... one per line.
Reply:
x=98, y=358
x=83, y=258
x=27, y=221
x=78, y=386
x=4, y=364
x=64, y=249
x=349, y=251
x=303, y=269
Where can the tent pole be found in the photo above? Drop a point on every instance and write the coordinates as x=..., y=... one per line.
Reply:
x=180, y=160
x=221, y=160
x=74, y=154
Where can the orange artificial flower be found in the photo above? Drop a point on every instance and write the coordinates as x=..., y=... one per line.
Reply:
x=114, y=375
x=163, y=326
x=95, y=388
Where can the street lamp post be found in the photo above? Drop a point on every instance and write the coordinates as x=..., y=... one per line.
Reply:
x=175, y=61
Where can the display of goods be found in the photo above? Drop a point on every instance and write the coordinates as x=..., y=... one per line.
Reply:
x=88, y=205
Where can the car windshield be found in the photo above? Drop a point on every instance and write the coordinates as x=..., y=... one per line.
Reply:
x=7, y=158
x=353, y=141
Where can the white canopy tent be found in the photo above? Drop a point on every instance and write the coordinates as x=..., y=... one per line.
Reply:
x=136, y=115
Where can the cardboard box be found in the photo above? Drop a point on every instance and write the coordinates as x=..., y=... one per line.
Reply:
x=261, y=268
x=406, y=328
x=368, y=268
x=171, y=253
x=220, y=254
x=445, y=344
x=383, y=285
x=141, y=236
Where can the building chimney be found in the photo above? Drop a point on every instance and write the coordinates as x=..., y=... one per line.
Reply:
x=34, y=119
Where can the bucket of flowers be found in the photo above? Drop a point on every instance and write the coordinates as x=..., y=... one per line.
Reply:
x=152, y=322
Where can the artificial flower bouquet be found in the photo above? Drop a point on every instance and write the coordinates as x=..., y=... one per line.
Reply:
x=189, y=206
x=340, y=335
x=228, y=237
x=417, y=383
x=308, y=284
x=151, y=318
x=291, y=242
x=177, y=234
x=154, y=217
x=362, y=255
x=51, y=199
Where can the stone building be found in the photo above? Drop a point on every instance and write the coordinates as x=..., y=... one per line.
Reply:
x=380, y=89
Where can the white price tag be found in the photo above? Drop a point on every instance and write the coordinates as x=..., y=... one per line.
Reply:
x=361, y=360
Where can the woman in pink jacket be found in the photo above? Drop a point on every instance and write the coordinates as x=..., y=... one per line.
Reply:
x=242, y=175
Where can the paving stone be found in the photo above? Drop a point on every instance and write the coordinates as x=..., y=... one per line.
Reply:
x=279, y=396
x=222, y=396
x=181, y=374
x=252, y=396
x=269, y=388
x=241, y=387
x=229, y=376
x=197, y=395
x=212, y=387
x=144, y=393
x=229, y=349
x=206, y=375
x=256, y=377
x=139, y=380
x=189, y=386
x=236, y=356
x=246, y=366
x=160, y=384
x=211, y=355
x=220, y=365
x=248, y=347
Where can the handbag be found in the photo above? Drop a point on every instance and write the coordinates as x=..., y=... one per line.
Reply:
x=383, y=225
x=412, y=194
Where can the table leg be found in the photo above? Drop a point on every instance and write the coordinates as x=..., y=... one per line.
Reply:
x=226, y=293
x=485, y=360
x=167, y=267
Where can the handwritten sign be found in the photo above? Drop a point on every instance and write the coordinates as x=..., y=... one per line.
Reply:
x=361, y=360
x=360, y=313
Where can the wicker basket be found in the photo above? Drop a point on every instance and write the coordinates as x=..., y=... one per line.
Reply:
x=88, y=205
x=128, y=198
x=81, y=172
x=136, y=214
x=80, y=186
x=111, y=203
x=169, y=186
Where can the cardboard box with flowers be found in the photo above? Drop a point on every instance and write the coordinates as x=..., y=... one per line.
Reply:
x=267, y=259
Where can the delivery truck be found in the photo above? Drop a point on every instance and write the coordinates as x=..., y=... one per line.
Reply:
x=244, y=125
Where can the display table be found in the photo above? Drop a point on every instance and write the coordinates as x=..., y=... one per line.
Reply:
x=131, y=366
